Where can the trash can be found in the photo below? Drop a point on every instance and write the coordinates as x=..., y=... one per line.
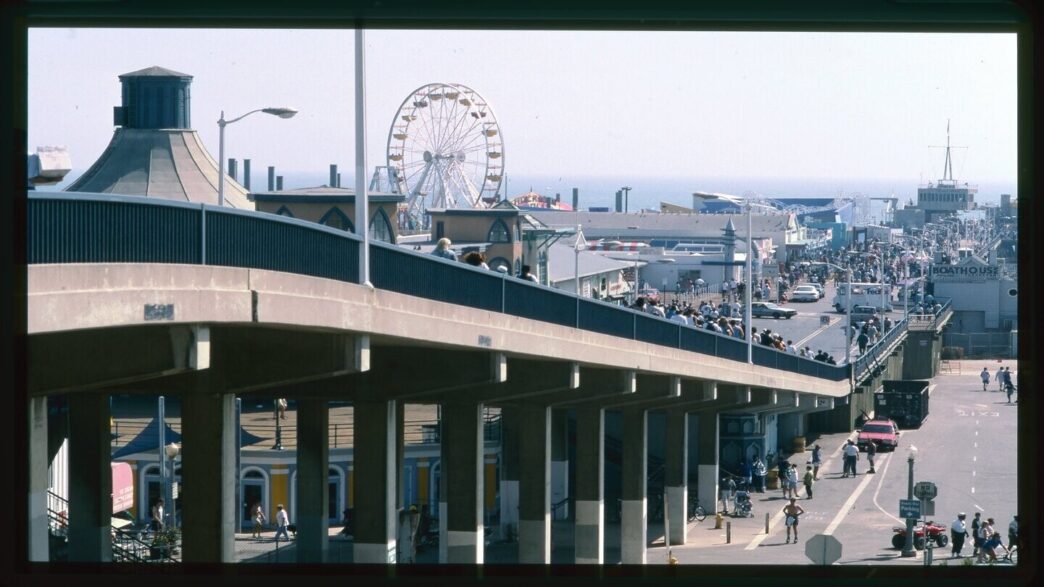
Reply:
x=799, y=444
x=772, y=479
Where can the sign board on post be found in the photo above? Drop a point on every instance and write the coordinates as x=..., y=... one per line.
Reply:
x=909, y=508
x=925, y=490
x=927, y=507
x=823, y=549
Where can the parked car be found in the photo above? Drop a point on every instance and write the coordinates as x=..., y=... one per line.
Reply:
x=804, y=293
x=768, y=309
x=883, y=433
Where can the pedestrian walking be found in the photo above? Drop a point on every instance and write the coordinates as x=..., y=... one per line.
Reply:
x=282, y=522
x=782, y=472
x=759, y=474
x=792, y=511
x=746, y=473
x=976, y=539
x=156, y=523
x=817, y=460
x=851, y=455
x=985, y=375
x=728, y=487
x=809, y=480
x=259, y=520
x=792, y=480
x=871, y=452
x=958, y=531
x=999, y=378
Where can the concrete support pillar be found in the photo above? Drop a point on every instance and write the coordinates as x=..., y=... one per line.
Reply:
x=463, y=469
x=39, y=548
x=560, y=460
x=676, y=473
x=374, y=459
x=509, y=447
x=589, y=531
x=634, y=470
x=90, y=479
x=313, y=465
x=208, y=466
x=534, y=459
x=707, y=457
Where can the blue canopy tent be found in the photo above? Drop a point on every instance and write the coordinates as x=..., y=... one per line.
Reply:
x=148, y=440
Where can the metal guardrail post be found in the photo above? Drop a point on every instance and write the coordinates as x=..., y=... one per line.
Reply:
x=203, y=234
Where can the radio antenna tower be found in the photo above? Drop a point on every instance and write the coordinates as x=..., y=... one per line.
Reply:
x=948, y=166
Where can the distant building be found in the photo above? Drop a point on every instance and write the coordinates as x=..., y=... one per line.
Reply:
x=334, y=207
x=154, y=152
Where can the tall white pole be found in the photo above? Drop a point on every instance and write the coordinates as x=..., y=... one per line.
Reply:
x=362, y=203
x=750, y=284
x=221, y=160
x=848, y=311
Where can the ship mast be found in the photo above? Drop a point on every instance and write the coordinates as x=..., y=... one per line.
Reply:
x=948, y=165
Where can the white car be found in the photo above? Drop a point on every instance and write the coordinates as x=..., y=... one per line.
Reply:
x=804, y=293
x=819, y=288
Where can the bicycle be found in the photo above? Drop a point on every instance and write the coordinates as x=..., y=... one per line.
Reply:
x=695, y=510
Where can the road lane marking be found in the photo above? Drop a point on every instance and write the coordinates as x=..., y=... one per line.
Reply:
x=884, y=471
x=978, y=507
x=975, y=459
x=848, y=505
x=757, y=540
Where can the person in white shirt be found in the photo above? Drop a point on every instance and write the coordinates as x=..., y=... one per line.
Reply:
x=1000, y=378
x=791, y=348
x=282, y=522
x=681, y=317
x=851, y=455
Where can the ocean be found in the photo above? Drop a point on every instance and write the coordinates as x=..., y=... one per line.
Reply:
x=648, y=192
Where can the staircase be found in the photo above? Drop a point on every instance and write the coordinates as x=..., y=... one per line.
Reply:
x=127, y=546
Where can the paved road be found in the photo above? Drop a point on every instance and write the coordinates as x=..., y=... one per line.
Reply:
x=967, y=446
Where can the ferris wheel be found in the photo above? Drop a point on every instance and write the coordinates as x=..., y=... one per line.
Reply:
x=446, y=149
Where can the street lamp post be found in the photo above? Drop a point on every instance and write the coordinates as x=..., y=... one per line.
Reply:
x=222, y=123
x=749, y=287
x=908, y=549
x=626, y=190
x=279, y=429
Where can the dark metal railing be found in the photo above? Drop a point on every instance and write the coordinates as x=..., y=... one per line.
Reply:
x=105, y=228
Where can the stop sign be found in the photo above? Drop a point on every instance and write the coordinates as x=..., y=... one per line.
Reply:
x=823, y=549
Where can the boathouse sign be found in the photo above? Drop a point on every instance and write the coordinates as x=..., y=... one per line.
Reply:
x=971, y=269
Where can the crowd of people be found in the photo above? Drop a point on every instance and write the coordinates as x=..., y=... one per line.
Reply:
x=986, y=540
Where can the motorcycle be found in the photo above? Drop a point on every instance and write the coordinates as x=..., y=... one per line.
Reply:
x=936, y=533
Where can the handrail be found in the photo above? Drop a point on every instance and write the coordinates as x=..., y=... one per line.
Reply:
x=106, y=228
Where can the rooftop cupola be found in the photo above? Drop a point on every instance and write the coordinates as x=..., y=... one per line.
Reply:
x=154, y=98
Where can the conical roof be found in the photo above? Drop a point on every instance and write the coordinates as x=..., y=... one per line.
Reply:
x=159, y=163
x=155, y=71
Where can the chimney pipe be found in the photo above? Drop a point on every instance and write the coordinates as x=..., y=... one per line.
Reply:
x=338, y=179
x=333, y=175
x=279, y=183
x=619, y=201
x=271, y=178
x=246, y=174
x=232, y=169
x=576, y=198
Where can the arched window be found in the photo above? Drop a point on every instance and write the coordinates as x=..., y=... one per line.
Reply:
x=284, y=211
x=334, y=218
x=499, y=233
x=335, y=494
x=380, y=227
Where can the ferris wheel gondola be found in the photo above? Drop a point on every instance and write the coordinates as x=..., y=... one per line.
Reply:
x=448, y=149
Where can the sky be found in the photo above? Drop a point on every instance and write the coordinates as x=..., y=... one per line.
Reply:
x=830, y=107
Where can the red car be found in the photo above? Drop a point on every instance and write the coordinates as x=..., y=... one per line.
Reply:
x=883, y=433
